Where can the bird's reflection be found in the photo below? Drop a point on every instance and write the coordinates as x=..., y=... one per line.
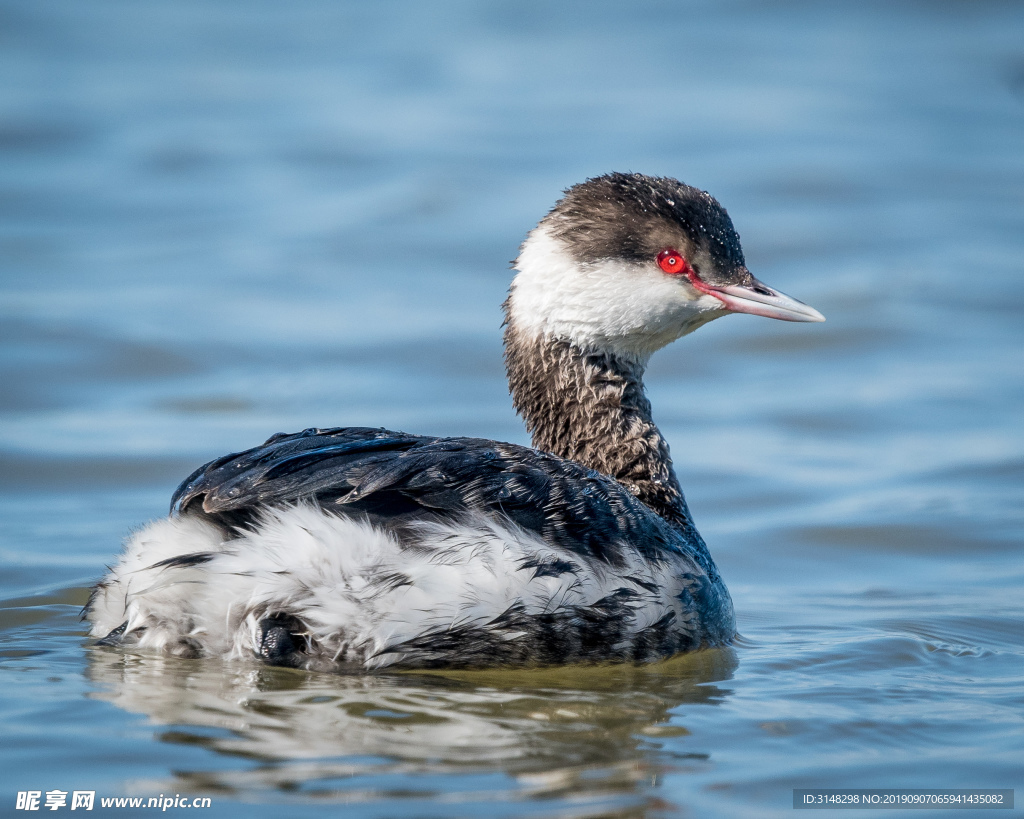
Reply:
x=561, y=733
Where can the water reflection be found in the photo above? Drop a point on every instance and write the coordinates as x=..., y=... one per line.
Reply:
x=589, y=733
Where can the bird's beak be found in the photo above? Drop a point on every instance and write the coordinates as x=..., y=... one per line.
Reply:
x=761, y=300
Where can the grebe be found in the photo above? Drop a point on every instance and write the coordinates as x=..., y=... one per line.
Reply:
x=360, y=549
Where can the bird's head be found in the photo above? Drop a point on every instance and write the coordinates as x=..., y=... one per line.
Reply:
x=628, y=263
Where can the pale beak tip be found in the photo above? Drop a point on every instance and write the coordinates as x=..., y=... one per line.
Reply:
x=763, y=301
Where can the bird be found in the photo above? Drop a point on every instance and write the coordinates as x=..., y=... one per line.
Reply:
x=357, y=549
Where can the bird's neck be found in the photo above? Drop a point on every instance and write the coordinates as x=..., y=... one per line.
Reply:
x=590, y=406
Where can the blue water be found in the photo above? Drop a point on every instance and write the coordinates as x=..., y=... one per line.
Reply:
x=219, y=220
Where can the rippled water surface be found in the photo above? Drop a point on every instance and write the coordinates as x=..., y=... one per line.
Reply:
x=224, y=219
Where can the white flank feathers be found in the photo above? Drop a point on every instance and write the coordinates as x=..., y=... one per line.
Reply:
x=355, y=587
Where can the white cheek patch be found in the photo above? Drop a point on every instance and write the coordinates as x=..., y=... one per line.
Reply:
x=631, y=309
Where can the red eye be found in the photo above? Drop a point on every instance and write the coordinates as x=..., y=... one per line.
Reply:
x=671, y=261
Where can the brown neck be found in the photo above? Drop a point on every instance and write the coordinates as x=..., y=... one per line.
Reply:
x=590, y=407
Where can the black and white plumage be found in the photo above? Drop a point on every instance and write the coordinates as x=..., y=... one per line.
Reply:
x=358, y=548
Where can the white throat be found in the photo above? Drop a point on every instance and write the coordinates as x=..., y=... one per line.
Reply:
x=630, y=310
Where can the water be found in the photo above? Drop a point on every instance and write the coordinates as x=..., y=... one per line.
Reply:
x=221, y=220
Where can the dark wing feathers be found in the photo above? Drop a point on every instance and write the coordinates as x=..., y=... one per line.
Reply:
x=285, y=468
x=393, y=477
